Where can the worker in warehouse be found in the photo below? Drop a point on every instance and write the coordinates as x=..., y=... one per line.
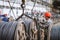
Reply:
x=5, y=19
x=46, y=25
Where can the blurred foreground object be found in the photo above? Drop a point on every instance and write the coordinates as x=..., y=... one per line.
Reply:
x=56, y=4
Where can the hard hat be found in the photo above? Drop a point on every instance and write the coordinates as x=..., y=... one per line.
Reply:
x=47, y=14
